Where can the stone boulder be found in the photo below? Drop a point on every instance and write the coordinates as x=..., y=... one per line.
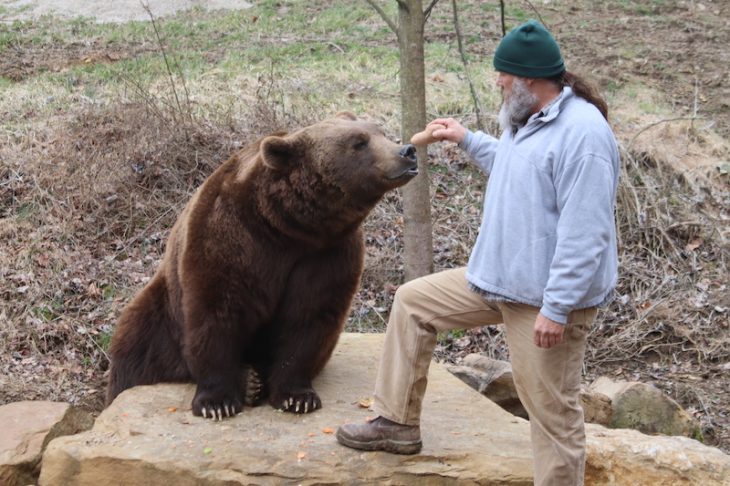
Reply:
x=27, y=427
x=148, y=436
x=493, y=379
x=597, y=407
x=645, y=408
x=631, y=458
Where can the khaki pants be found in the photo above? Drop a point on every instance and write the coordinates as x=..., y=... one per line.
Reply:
x=547, y=380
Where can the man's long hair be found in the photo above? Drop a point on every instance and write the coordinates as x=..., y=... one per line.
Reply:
x=584, y=89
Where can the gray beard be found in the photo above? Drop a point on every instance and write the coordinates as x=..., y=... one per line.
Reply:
x=517, y=108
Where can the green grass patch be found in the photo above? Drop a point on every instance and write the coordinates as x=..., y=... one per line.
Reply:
x=25, y=211
x=104, y=339
x=446, y=336
x=648, y=8
x=49, y=311
x=108, y=291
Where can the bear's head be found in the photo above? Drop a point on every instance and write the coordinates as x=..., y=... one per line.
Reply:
x=341, y=165
x=348, y=153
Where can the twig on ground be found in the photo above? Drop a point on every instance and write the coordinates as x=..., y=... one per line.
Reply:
x=652, y=125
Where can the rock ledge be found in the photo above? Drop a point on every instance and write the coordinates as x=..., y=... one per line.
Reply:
x=149, y=436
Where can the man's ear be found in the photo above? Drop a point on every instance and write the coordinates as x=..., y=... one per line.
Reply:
x=281, y=153
x=345, y=115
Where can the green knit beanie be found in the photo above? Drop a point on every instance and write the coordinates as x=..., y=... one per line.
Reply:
x=529, y=51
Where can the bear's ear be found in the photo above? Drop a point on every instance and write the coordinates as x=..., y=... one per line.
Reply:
x=281, y=153
x=345, y=115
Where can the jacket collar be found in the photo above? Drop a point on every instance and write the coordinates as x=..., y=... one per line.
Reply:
x=552, y=110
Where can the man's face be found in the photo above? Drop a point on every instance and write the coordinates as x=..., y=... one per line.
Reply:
x=518, y=101
x=504, y=81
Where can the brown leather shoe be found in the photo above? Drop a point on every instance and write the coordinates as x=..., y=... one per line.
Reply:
x=381, y=434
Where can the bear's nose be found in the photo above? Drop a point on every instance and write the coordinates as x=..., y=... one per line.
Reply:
x=408, y=151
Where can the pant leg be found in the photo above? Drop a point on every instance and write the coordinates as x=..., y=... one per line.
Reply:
x=548, y=384
x=421, y=308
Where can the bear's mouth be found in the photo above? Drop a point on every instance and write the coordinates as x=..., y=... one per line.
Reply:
x=410, y=171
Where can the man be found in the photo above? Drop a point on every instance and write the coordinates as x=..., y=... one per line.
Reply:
x=544, y=260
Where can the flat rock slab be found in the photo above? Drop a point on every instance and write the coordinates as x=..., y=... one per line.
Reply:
x=149, y=436
x=25, y=430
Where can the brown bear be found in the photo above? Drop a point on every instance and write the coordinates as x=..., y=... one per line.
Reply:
x=260, y=269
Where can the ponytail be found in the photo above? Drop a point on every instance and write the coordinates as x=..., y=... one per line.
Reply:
x=583, y=89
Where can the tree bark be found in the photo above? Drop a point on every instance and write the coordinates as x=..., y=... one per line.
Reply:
x=418, y=239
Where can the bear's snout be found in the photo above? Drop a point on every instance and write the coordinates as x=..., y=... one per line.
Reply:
x=408, y=152
x=406, y=165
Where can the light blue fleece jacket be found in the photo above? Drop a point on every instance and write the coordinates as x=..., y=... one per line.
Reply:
x=548, y=236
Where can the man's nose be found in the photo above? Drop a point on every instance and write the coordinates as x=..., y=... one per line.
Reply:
x=498, y=81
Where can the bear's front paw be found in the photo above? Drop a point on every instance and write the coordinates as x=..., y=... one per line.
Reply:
x=297, y=401
x=216, y=405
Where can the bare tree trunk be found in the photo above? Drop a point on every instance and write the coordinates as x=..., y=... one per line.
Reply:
x=418, y=239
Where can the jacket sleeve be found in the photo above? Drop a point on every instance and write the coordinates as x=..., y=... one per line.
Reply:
x=482, y=148
x=585, y=202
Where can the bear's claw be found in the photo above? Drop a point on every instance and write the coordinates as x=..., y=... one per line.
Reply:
x=301, y=402
x=216, y=405
x=217, y=413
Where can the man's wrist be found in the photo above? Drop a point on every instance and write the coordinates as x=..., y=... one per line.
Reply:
x=466, y=140
x=554, y=315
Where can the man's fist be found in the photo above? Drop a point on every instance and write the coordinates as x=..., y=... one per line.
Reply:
x=548, y=333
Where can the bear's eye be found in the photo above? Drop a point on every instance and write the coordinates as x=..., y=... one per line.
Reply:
x=360, y=144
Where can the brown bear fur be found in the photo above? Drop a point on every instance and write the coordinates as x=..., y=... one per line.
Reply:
x=260, y=269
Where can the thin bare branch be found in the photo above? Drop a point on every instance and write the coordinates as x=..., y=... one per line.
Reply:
x=429, y=9
x=184, y=112
x=501, y=14
x=474, y=95
x=537, y=12
x=384, y=16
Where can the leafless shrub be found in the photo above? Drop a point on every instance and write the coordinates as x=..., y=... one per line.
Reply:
x=672, y=292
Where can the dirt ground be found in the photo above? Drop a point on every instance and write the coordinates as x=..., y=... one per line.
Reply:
x=676, y=48
x=116, y=11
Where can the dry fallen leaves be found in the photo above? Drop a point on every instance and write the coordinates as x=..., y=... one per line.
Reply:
x=693, y=245
x=365, y=402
